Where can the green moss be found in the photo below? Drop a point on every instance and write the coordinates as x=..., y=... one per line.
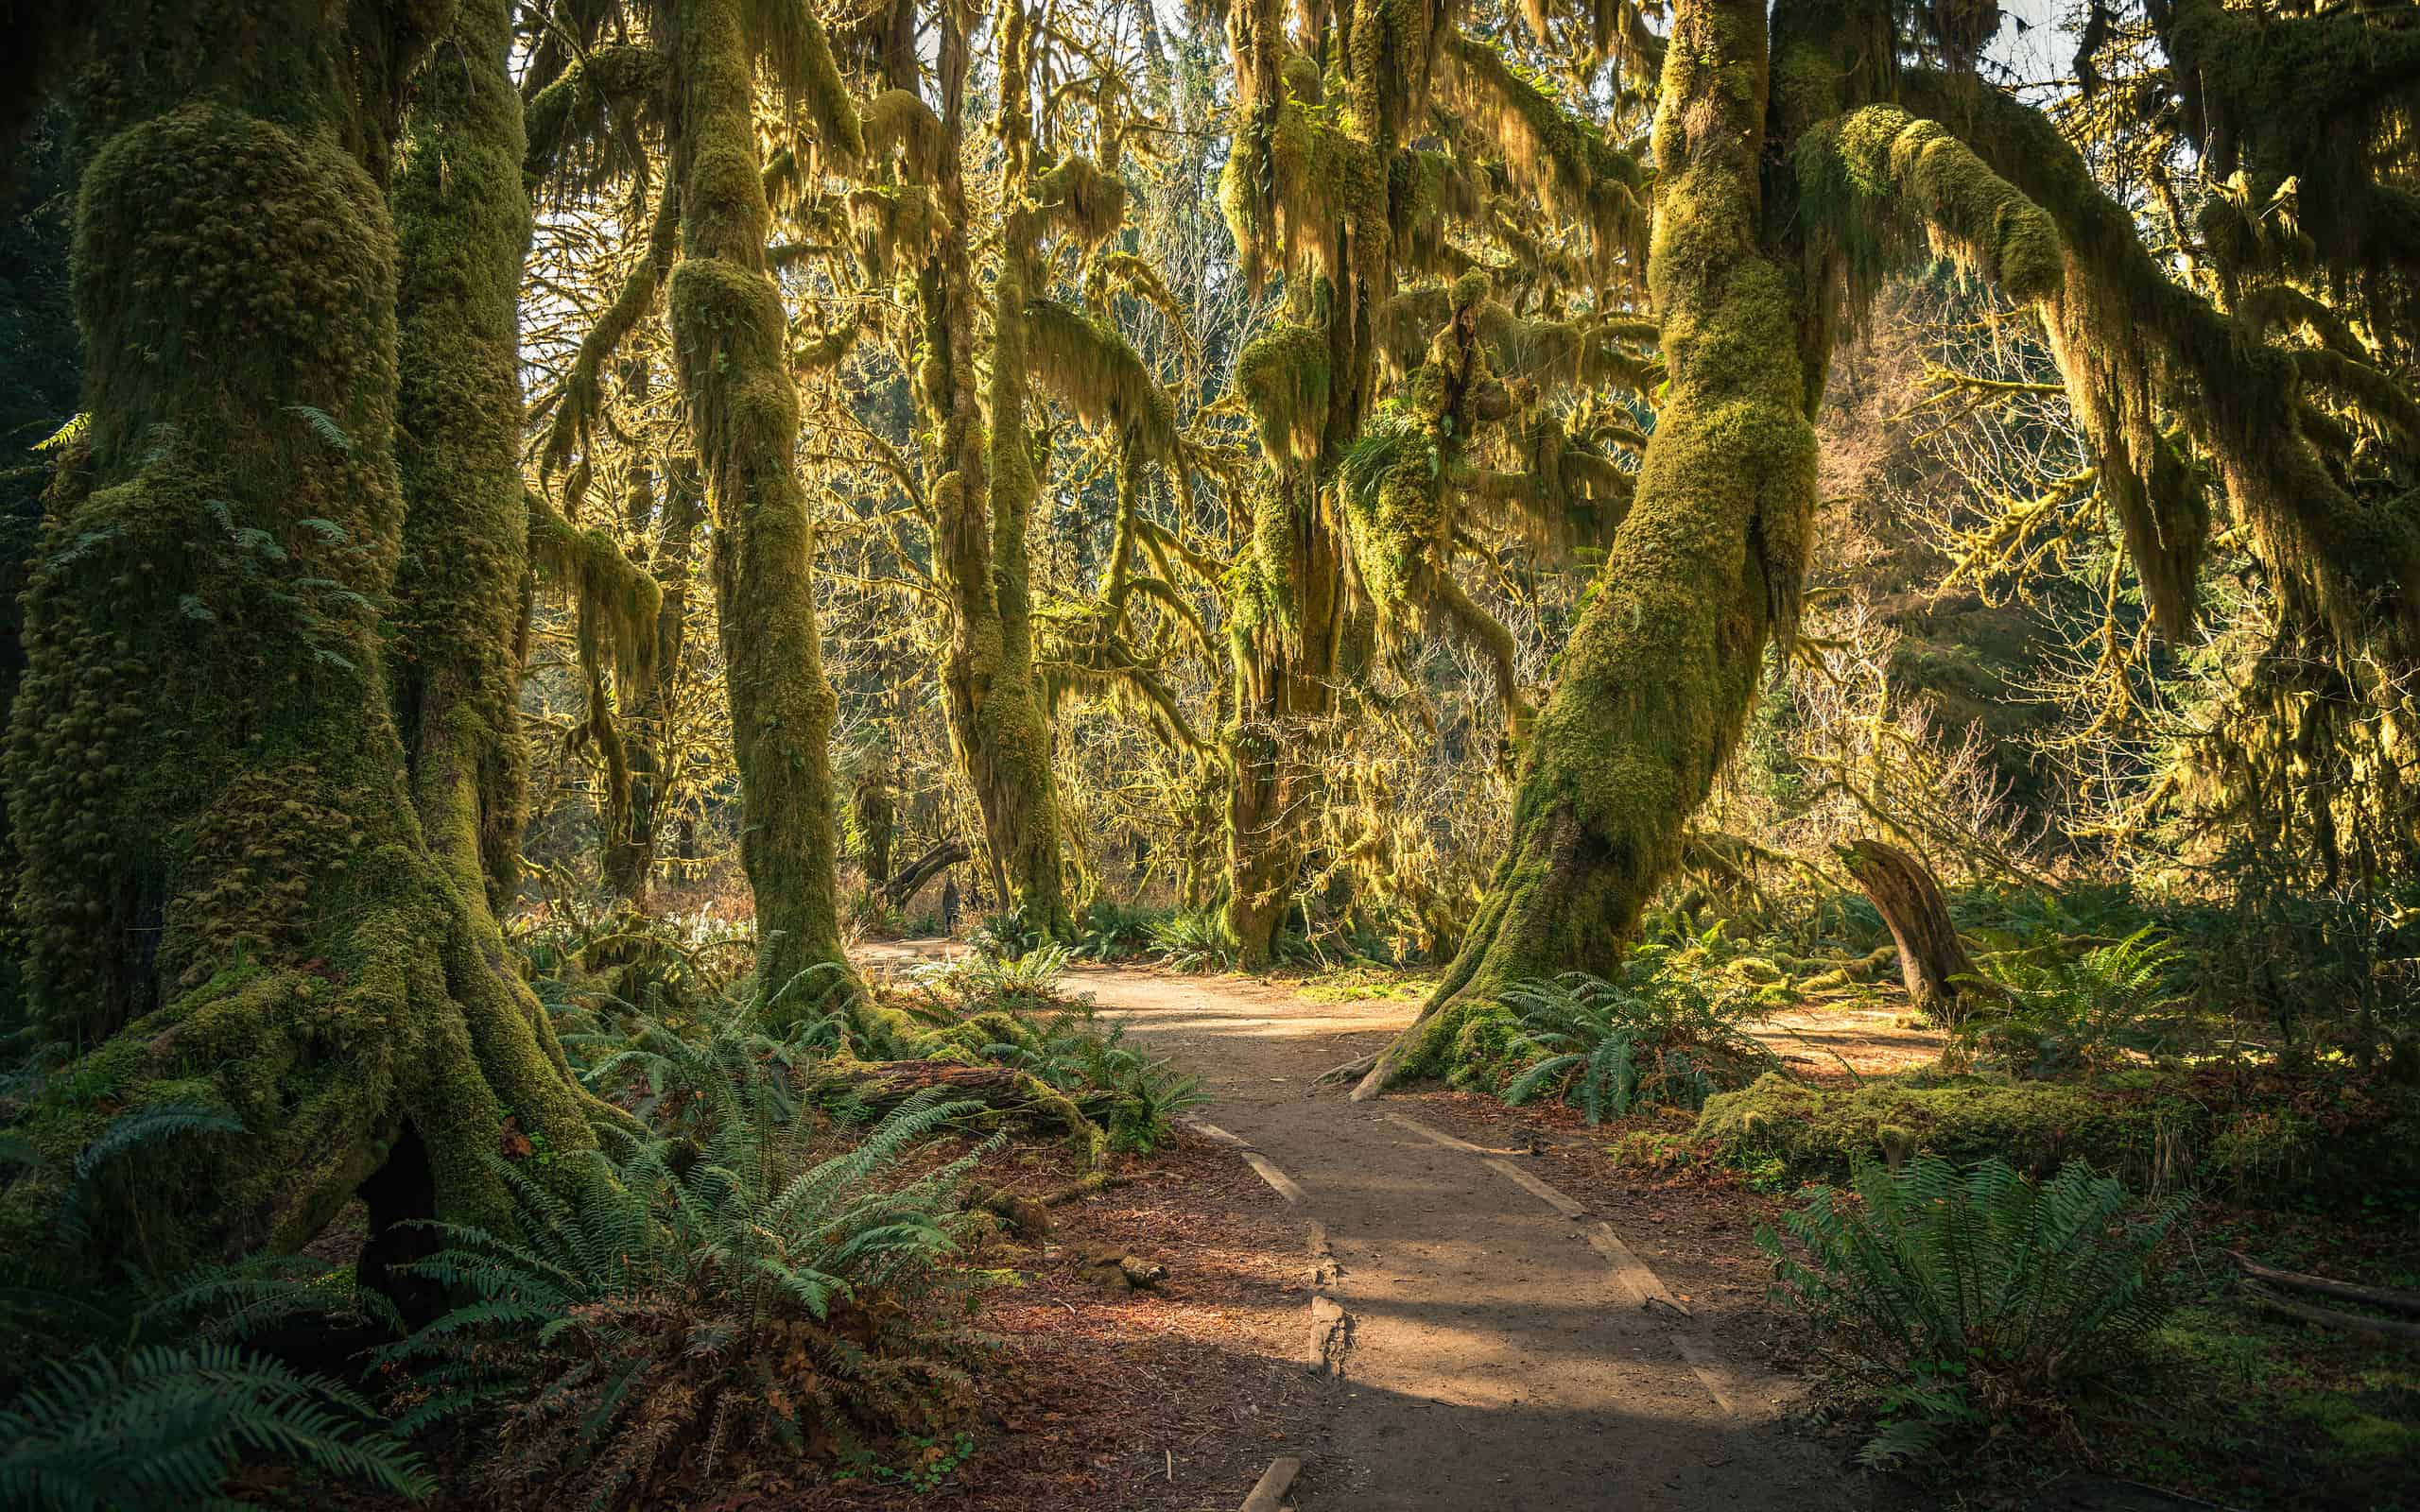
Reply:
x=1284, y=376
x=2169, y=1132
x=1859, y=173
x=2356, y=1431
x=731, y=340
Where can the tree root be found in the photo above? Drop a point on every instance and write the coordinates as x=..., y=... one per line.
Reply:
x=1353, y=1070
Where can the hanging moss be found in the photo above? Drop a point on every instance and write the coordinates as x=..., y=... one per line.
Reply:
x=1090, y=366
x=2125, y=334
x=611, y=592
x=570, y=134
x=1657, y=678
x=1861, y=174
x=1283, y=375
x=1551, y=153
x=1078, y=198
x=898, y=121
x=896, y=228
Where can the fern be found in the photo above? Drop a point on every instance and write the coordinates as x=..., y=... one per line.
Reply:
x=1196, y=941
x=1135, y=1095
x=1955, y=1298
x=126, y=1133
x=324, y=427
x=1653, y=1035
x=2085, y=1013
x=163, y=1426
x=714, y=1289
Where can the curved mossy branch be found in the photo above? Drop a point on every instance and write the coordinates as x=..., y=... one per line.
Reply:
x=2270, y=306
x=1088, y=364
x=897, y=120
x=1495, y=642
x=1124, y=272
x=1554, y=355
x=1549, y=152
x=582, y=399
x=617, y=599
x=582, y=126
x=788, y=41
x=2371, y=392
x=1861, y=174
x=2124, y=333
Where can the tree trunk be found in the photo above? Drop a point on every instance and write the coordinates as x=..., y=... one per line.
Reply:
x=462, y=226
x=631, y=835
x=1933, y=961
x=1657, y=679
x=233, y=894
x=983, y=504
x=1310, y=383
x=731, y=337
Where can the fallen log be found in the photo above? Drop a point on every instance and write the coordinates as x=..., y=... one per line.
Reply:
x=2388, y=1298
x=879, y=1086
x=2329, y=1317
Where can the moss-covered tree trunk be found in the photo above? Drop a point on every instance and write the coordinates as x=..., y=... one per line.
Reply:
x=1705, y=569
x=982, y=504
x=731, y=338
x=462, y=232
x=1310, y=383
x=231, y=897
x=634, y=826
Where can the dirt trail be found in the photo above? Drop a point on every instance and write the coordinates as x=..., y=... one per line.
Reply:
x=1495, y=1361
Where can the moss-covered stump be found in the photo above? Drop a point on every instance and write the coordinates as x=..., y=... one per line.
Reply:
x=2332, y=1136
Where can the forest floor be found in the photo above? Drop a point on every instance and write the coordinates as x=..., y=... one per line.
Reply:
x=1517, y=1330
x=1436, y=1301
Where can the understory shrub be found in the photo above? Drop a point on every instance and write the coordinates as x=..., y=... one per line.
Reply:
x=1648, y=1036
x=120, y=1389
x=1964, y=1304
x=1118, y=932
x=700, y=1299
x=1027, y=979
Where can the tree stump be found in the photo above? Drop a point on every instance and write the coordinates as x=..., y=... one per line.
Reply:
x=1932, y=960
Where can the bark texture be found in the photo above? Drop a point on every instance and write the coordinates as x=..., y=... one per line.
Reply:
x=232, y=900
x=1932, y=959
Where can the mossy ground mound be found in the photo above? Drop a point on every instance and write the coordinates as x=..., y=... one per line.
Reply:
x=2336, y=1135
